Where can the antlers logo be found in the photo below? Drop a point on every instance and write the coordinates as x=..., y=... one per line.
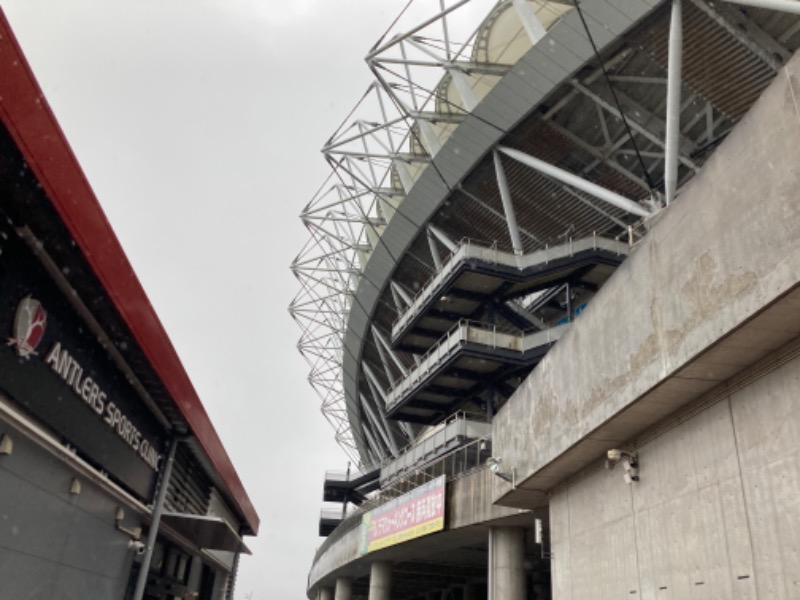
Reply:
x=29, y=324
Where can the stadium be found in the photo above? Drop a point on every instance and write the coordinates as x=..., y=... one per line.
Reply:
x=550, y=305
x=113, y=480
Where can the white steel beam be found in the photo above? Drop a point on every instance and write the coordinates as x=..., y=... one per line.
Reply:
x=498, y=69
x=533, y=26
x=428, y=136
x=437, y=260
x=379, y=425
x=377, y=448
x=405, y=177
x=464, y=89
x=578, y=182
x=443, y=237
x=508, y=205
x=498, y=215
x=398, y=301
x=790, y=6
x=377, y=392
x=746, y=32
x=401, y=292
x=382, y=341
x=636, y=126
x=674, y=82
x=384, y=359
x=397, y=39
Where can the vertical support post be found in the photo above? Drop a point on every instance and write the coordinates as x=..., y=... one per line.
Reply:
x=674, y=80
x=380, y=581
x=326, y=594
x=508, y=206
x=344, y=588
x=158, y=509
x=506, y=563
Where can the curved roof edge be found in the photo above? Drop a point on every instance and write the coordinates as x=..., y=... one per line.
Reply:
x=560, y=53
x=32, y=124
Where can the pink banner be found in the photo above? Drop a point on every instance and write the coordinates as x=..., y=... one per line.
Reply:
x=412, y=515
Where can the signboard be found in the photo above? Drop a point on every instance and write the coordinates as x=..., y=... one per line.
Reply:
x=412, y=515
x=53, y=366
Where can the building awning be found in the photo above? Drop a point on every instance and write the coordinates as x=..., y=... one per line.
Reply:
x=208, y=533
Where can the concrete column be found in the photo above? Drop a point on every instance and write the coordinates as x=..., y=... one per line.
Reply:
x=380, y=581
x=506, y=563
x=325, y=593
x=344, y=588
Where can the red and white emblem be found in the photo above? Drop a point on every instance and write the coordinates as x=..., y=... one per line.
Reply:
x=29, y=324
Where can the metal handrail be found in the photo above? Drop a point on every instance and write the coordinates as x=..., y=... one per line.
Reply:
x=408, y=482
x=494, y=256
x=455, y=337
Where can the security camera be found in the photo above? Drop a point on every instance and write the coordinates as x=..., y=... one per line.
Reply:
x=631, y=470
x=615, y=455
x=630, y=464
x=138, y=547
x=629, y=479
x=629, y=461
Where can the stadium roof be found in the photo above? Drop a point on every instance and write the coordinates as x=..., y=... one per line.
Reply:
x=453, y=142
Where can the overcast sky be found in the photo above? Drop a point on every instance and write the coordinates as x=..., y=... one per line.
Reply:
x=198, y=124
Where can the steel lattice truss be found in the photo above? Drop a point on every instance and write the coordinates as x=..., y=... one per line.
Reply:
x=431, y=71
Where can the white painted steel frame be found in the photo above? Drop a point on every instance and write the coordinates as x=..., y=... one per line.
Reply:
x=375, y=161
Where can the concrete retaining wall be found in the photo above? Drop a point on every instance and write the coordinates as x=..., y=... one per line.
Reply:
x=716, y=513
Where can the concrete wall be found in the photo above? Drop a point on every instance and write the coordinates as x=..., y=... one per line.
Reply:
x=716, y=513
x=725, y=249
x=54, y=544
x=468, y=503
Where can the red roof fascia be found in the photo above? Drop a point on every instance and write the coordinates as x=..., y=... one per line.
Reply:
x=30, y=121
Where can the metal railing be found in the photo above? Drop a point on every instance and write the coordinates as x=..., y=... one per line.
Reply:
x=455, y=430
x=469, y=249
x=454, y=464
x=469, y=331
x=349, y=475
x=334, y=514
